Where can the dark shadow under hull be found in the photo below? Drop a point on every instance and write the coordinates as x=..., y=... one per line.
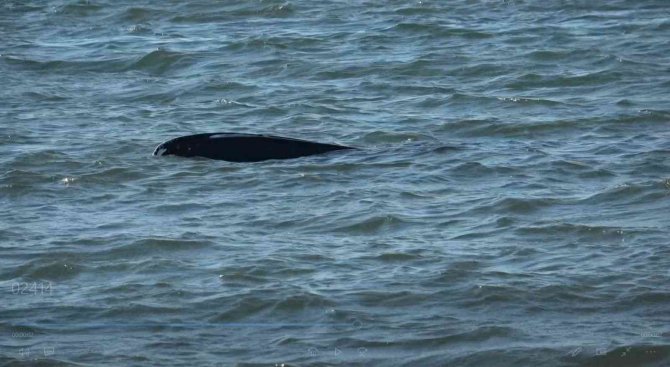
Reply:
x=242, y=147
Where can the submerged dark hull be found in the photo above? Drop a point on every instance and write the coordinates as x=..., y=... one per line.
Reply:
x=242, y=147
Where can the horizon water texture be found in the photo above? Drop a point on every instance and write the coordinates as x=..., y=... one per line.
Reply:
x=508, y=206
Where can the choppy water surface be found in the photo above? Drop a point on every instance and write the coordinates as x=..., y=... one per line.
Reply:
x=509, y=206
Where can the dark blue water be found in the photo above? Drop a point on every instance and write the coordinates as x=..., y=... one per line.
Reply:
x=509, y=205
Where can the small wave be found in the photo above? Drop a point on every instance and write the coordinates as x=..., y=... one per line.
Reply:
x=259, y=43
x=245, y=275
x=434, y=30
x=491, y=296
x=165, y=209
x=373, y=225
x=159, y=62
x=517, y=205
x=22, y=7
x=80, y=8
x=497, y=127
x=239, y=11
x=649, y=298
x=482, y=70
x=139, y=14
x=277, y=10
x=115, y=175
x=30, y=159
x=345, y=72
x=557, y=55
x=45, y=97
x=532, y=80
x=415, y=10
x=460, y=270
x=104, y=65
x=18, y=182
x=243, y=308
x=450, y=337
x=139, y=309
x=54, y=270
x=156, y=245
x=633, y=192
x=512, y=101
x=581, y=230
x=302, y=301
x=531, y=101
x=137, y=288
x=228, y=86
x=139, y=29
x=477, y=169
x=579, y=168
x=379, y=298
x=383, y=137
x=396, y=257
x=483, y=333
